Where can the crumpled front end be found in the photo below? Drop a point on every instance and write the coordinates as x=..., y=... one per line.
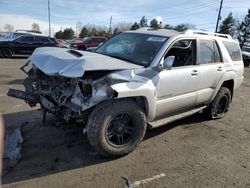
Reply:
x=68, y=98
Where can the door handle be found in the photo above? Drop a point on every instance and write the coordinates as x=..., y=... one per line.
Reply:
x=219, y=68
x=194, y=72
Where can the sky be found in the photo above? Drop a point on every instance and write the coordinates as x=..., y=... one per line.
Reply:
x=66, y=13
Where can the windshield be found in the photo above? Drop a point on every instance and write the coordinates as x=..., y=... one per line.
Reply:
x=86, y=39
x=133, y=47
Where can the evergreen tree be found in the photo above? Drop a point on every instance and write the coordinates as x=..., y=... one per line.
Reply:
x=154, y=24
x=68, y=33
x=228, y=25
x=59, y=35
x=168, y=26
x=143, y=22
x=244, y=30
x=93, y=32
x=84, y=32
x=116, y=31
x=135, y=26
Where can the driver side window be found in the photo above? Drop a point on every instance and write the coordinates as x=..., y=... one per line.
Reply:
x=184, y=52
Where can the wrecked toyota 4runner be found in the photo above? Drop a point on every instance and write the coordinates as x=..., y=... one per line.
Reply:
x=136, y=80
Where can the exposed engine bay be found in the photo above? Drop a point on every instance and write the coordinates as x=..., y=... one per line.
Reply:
x=67, y=98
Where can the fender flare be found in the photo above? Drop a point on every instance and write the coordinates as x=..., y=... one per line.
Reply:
x=138, y=89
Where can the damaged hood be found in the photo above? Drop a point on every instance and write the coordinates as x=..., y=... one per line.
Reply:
x=73, y=63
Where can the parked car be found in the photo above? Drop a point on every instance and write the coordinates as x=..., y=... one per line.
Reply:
x=246, y=56
x=25, y=45
x=136, y=80
x=93, y=49
x=88, y=42
x=67, y=43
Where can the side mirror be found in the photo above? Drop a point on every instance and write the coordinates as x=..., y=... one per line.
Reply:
x=168, y=62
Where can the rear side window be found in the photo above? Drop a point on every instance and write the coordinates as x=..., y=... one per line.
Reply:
x=25, y=39
x=233, y=50
x=209, y=52
x=42, y=40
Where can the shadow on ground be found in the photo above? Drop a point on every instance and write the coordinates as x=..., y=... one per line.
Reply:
x=53, y=148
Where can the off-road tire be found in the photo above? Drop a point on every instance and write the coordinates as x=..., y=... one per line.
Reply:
x=100, y=118
x=5, y=53
x=211, y=111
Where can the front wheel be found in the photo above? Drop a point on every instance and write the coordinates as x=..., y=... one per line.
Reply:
x=220, y=104
x=115, y=128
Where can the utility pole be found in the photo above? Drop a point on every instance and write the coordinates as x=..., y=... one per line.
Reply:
x=110, y=24
x=49, y=18
x=218, y=19
x=76, y=30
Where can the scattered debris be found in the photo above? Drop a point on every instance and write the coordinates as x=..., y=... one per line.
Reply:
x=147, y=180
x=128, y=182
x=12, y=148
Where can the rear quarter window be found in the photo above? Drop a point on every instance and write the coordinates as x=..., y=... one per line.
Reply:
x=233, y=50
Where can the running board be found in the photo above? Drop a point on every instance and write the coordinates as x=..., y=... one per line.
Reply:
x=169, y=119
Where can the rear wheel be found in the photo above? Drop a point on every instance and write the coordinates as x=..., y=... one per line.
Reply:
x=115, y=128
x=5, y=53
x=220, y=104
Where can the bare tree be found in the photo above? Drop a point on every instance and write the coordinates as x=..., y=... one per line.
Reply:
x=35, y=27
x=123, y=26
x=8, y=28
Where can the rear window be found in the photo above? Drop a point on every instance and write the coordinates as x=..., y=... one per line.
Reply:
x=209, y=52
x=233, y=50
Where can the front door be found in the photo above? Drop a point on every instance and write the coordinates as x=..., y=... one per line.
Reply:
x=177, y=88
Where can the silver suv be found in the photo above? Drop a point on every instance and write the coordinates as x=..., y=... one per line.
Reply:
x=136, y=80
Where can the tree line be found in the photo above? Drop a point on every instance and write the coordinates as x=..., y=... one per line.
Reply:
x=238, y=29
x=92, y=30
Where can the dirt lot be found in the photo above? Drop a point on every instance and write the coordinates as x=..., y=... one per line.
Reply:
x=192, y=152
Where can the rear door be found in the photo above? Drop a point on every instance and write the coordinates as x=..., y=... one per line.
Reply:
x=24, y=45
x=210, y=68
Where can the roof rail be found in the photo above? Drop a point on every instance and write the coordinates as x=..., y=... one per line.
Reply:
x=190, y=31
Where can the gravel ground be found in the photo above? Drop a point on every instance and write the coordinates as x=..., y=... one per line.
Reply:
x=192, y=152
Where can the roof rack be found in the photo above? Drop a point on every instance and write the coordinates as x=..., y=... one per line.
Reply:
x=190, y=31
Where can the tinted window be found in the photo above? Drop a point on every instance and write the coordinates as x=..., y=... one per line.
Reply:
x=15, y=35
x=233, y=50
x=26, y=39
x=42, y=40
x=209, y=52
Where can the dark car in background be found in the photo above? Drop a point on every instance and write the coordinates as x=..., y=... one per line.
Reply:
x=25, y=45
x=88, y=42
x=246, y=55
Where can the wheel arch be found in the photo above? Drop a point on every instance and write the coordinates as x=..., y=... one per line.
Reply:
x=226, y=83
x=11, y=49
x=142, y=93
